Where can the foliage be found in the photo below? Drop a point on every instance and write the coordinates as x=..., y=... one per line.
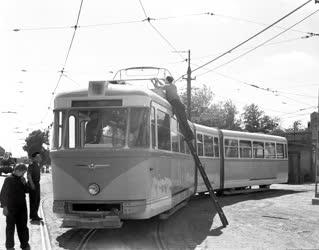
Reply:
x=255, y=120
x=296, y=127
x=200, y=99
x=221, y=115
x=2, y=151
x=34, y=143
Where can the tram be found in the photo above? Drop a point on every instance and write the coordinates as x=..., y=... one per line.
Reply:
x=117, y=153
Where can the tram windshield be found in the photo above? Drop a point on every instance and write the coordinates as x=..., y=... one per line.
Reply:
x=109, y=127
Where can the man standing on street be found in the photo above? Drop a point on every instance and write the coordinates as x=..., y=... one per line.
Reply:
x=12, y=198
x=34, y=184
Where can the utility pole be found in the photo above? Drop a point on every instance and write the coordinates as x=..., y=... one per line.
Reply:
x=189, y=86
x=315, y=200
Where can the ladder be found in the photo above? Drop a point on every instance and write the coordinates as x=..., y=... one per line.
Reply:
x=207, y=183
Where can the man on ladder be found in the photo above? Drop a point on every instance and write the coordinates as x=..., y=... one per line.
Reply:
x=179, y=110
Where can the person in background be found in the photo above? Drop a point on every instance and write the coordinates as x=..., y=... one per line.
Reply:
x=34, y=184
x=13, y=202
x=178, y=107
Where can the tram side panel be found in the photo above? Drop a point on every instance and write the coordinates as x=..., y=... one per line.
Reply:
x=171, y=181
x=241, y=172
x=212, y=168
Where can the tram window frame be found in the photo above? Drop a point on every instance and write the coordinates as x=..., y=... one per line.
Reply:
x=216, y=147
x=209, y=146
x=244, y=148
x=270, y=146
x=175, y=145
x=59, y=129
x=256, y=153
x=280, y=155
x=165, y=130
x=230, y=148
x=286, y=150
x=200, y=144
x=153, y=128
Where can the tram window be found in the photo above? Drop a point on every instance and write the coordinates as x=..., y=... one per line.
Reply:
x=286, y=151
x=72, y=131
x=107, y=126
x=56, y=136
x=258, y=149
x=187, y=149
x=231, y=148
x=153, y=127
x=174, y=135
x=270, y=150
x=200, y=144
x=181, y=143
x=216, y=146
x=163, y=130
x=139, y=127
x=60, y=129
x=245, y=149
x=209, y=145
x=280, y=150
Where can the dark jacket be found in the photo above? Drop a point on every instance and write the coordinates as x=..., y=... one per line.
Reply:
x=13, y=193
x=34, y=171
x=171, y=92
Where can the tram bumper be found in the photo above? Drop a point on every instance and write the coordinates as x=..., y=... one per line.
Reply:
x=107, y=221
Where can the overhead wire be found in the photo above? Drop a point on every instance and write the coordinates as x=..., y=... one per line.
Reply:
x=268, y=44
x=148, y=19
x=250, y=38
x=256, y=22
x=254, y=48
x=275, y=92
x=66, y=59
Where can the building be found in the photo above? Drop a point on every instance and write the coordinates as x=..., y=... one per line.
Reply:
x=302, y=152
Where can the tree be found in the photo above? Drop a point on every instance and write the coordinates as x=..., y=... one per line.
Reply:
x=34, y=143
x=252, y=117
x=255, y=120
x=201, y=99
x=221, y=115
x=296, y=127
x=2, y=151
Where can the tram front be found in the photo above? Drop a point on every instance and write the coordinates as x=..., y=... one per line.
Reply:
x=100, y=152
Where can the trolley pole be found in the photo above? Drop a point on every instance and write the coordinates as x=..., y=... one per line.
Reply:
x=315, y=200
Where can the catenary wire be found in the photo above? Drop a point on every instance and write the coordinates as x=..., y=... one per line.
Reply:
x=66, y=59
x=256, y=47
x=250, y=38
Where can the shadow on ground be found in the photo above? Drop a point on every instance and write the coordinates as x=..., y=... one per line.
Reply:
x=185, y=229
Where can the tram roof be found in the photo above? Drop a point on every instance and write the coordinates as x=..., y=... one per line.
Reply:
x=257, y=136
x=116, y=90
x=239, y=134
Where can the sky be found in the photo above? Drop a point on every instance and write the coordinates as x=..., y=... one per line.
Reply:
x=112, y=35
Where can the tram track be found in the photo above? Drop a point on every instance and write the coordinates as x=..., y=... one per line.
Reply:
x=45, y=238
x=158, y=238
x=85, y=240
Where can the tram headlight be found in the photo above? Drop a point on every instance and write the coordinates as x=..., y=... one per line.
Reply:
x=94, y=189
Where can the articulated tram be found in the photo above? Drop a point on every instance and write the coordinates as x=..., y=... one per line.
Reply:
x=117, y=152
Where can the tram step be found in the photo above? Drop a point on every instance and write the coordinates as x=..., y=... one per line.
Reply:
x=168, y=213
x=112, y=221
